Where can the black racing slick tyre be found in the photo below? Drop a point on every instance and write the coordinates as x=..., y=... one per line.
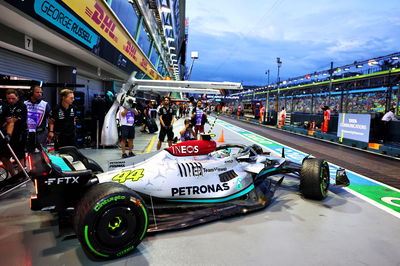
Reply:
x=314, y=181
x=110, y=220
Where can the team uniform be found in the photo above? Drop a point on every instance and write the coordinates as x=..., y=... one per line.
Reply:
x=167, y=116
x=64, y=126
x=327, y=117
x=199, y=120
x=18, y=137
x=37, y=114
x=187, y=135
x=127, y=123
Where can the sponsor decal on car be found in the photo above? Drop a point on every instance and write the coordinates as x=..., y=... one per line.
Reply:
x=191, y=169
x=197, y=190
x=185, y=149
x=116, y=164
x=133, y=175
x=215, y=169
x=62, y=180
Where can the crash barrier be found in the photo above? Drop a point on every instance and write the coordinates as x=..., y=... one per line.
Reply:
x=388, y=149
x=303, y=120
x=391, y=150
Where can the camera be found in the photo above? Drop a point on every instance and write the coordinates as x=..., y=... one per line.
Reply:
x=132, y=103
x=129, y=102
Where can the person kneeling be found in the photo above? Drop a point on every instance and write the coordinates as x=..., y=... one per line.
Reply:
x=187, y=133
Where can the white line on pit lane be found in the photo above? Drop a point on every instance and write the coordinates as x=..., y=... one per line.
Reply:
x=376, y=204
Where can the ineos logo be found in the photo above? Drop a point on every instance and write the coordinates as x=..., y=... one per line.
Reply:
x=185, y=149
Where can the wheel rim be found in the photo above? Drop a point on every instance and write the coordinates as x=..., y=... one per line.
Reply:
x=3, y=174
x=116, y=226
x=324, y=179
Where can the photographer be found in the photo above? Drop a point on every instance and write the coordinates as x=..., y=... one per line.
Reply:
x=126, y=115
x=166, y=121
x=187, y=133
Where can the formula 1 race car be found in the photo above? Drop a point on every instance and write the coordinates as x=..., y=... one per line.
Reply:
x=189, y=183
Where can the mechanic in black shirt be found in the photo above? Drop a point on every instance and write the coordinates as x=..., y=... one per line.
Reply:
x=13, y=125
x=62, y=121
x=166, y=115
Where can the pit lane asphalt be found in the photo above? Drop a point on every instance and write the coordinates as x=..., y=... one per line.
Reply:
x=341, y=230
x=372, y=165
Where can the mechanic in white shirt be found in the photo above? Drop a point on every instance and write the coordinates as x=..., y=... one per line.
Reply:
x=127, y=125
x=389, y=116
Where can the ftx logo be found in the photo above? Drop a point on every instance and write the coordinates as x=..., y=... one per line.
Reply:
x=62, y=180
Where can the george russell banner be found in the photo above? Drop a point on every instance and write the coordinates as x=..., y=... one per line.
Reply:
x=92, y=25
x=99, y=16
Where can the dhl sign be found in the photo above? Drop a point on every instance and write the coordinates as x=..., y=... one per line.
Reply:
x=99, y=16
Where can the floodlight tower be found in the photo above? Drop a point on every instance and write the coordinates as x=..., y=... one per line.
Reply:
x=267, y=100
x=194, y=55
x=279, y=64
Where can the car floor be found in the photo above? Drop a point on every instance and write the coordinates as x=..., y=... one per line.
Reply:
x=343, y=229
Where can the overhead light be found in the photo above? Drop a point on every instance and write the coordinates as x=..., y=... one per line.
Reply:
x=395, y=57
x=194, y=55
x=359, y=66
x=172, y=48
x=372, y=62
x=165, y=9
x=168, y=27
x=346, y=69
x=14, y=87
x=170, y=39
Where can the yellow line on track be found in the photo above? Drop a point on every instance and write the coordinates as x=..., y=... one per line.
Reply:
x=153, y=139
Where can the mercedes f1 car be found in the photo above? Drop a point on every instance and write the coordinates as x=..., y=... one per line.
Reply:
x=189, y=183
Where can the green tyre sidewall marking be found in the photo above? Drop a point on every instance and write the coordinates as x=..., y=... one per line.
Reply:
x=90, y=245
x=146, y=221
x=89, y=228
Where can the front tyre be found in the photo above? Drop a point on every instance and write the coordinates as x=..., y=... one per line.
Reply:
x=110, y=221
x=314, y=181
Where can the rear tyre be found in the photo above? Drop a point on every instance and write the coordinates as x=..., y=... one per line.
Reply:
x=314, y=181
x=110, y=220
